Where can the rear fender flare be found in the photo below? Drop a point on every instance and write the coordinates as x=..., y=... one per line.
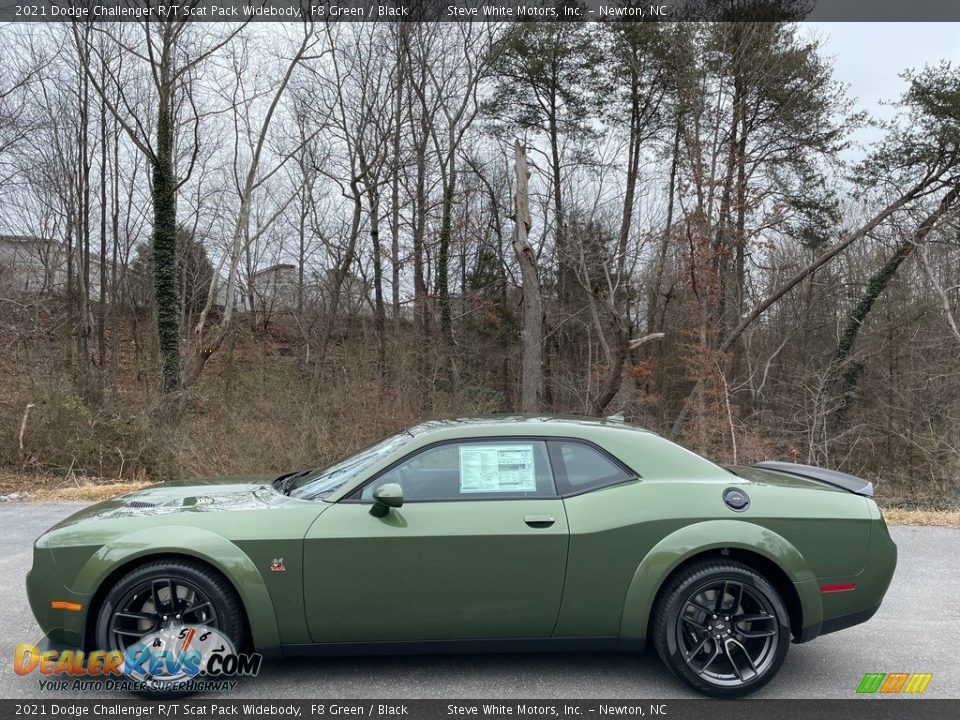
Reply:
x=701, y=537
x=198, y=543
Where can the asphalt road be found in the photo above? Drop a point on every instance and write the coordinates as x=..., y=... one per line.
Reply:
x=916, y=630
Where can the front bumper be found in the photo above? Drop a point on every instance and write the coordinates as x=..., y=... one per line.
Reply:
x=44, y=585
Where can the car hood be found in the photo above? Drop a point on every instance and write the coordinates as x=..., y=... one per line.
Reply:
x=248, y=492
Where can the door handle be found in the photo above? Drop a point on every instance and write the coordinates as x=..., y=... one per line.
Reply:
x=539, y=521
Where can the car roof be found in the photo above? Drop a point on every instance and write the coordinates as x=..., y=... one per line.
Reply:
x=523, y=424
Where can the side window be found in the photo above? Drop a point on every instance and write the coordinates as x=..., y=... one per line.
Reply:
x=471, y=470
x=581, y=467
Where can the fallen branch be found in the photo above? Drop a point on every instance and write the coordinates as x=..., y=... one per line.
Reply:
x=23, y=425
x=634, y=344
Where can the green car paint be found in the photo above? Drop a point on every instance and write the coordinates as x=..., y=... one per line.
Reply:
x=584, y=568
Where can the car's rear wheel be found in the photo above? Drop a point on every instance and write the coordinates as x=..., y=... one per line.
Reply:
x=163, y=595
x=721, y=628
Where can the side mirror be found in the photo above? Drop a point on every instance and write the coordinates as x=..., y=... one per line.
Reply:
x=388, y=495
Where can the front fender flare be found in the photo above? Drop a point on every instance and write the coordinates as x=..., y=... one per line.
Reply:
x=705, y=536
x=197, y=543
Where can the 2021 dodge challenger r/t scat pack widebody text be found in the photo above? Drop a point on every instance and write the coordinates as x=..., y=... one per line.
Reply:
x=507, y=534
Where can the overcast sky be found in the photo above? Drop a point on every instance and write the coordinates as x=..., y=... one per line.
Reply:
x=869, y=57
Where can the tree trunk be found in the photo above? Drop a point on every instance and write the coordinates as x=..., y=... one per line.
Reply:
x=653, y=305
x=395, y=186
x=86, y=324
x=532, y=331
x=618, y=356
x=165, y=249
x=379, y=311
x=419, y=229
x=115, y=300
x=633, y=170
x=102, y=309
x=443, y=271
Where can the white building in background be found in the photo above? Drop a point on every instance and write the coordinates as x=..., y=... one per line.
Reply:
x=32, y=264
x=38, y=266
x=275, y=290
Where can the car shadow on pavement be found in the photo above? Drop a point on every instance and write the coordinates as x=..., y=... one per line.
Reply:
x=528, y=675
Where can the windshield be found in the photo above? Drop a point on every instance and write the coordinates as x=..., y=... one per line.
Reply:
x=317, y=485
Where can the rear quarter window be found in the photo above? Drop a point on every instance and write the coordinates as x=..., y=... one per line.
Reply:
x=580, y=467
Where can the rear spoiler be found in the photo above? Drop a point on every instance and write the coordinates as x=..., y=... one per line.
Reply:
x=837, y=479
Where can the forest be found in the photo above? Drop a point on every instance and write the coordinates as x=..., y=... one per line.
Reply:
x=230, y=248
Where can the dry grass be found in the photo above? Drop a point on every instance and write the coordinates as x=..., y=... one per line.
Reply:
x=42, y=488
x=939, y=518
x=89, y=492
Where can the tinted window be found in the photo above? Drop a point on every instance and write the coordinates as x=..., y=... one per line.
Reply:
x=582, y=467
x=472, y=470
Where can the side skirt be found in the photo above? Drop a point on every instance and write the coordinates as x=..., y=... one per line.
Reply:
x=449, y=647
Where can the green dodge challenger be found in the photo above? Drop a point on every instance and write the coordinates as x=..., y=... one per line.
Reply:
x=506, y=534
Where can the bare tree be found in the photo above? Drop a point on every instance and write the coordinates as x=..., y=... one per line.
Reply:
x=532, y=333
x=250, y=176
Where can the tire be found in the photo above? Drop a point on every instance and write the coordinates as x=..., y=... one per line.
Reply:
x=703, y=602
x=219, y=605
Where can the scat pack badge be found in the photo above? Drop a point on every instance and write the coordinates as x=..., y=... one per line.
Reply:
x=277, y=565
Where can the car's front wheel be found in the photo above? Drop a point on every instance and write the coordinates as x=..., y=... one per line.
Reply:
x=721, y=628
x=158, y=603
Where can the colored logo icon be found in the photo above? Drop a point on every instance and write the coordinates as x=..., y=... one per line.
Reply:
x=894, y=683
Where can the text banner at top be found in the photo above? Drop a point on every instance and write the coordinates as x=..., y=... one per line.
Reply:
x=478, y=10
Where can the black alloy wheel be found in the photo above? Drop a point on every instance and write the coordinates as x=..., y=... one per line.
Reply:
x=721, y=628
x=164, y=595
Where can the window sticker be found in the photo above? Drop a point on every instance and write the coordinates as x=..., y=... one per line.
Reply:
x=497, y=468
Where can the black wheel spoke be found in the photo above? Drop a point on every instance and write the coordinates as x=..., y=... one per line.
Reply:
x=753, y=632
x=130, y=633
x=172, y=588
x=739, y=600
x=196, y=608
x=720, y=595
x=693, y=623
x=733, y=663
x=157, y=586
x=708, y=663
x=700, y=607
x=693, y=653
x=753, y=618
x=136, y=617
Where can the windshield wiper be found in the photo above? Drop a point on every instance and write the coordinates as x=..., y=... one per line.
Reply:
x=287, y=481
